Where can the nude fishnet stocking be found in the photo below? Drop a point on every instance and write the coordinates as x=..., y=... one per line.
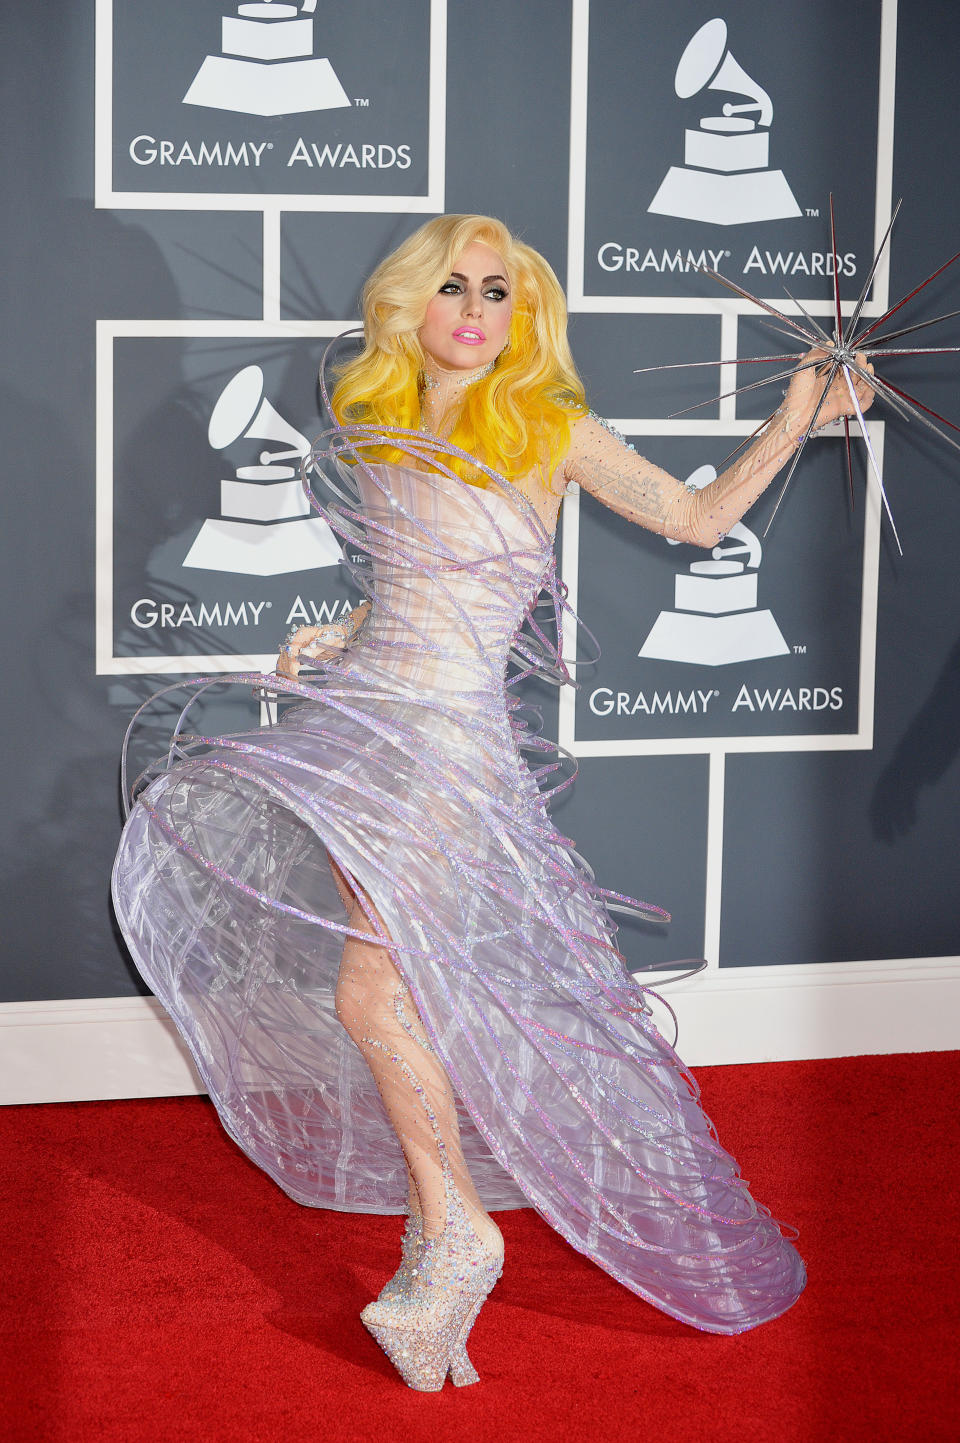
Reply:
x=374, y=1004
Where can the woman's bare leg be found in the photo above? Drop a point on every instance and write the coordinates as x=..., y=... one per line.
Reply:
x=423, y=1317
x=377, y=1010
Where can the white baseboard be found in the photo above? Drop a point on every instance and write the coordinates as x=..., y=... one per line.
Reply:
x=73, y=1051
x=112, y=1047
x=832, y=1009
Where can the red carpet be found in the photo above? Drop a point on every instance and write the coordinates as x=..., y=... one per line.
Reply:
x=159, y=1288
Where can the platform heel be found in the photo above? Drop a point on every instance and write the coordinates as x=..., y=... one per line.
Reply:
x=424, y=1332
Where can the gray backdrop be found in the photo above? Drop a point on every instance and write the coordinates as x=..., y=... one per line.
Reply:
x=832, y=851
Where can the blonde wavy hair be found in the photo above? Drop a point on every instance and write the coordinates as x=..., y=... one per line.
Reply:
x=515, y=420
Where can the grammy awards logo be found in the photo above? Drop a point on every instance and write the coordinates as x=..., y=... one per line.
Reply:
x=716, y=620
x=267, y=66
x=725, y=179
x=265, y=527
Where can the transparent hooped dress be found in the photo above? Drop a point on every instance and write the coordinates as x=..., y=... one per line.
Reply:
x=487, y=1047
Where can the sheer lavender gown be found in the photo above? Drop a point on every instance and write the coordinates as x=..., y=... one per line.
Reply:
x=406, y=761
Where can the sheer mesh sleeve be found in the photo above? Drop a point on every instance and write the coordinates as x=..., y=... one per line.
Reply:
x=601, y=462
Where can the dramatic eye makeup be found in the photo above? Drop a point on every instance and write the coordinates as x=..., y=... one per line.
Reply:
x=495, y=288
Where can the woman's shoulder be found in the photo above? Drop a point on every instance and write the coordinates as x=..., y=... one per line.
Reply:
x=591, y=430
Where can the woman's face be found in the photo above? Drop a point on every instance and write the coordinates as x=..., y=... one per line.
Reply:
x=467, y=321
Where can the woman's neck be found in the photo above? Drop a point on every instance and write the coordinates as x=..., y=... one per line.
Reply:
x=443, y=391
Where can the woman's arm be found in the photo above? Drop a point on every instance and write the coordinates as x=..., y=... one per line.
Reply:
x=601, y=462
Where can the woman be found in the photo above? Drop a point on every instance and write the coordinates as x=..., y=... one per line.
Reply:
x=397, y=979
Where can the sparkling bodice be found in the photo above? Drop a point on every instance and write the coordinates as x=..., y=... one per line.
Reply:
x=452, y=570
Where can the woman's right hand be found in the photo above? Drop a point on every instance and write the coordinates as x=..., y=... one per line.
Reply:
x=309, y=644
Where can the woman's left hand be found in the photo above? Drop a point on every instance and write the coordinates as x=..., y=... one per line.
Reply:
x=806, y=388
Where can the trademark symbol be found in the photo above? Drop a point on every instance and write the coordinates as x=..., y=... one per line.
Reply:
x=799, y=648
x=269, y=144
x=269, y=604
x=364, y=101
x=813, y=212
x=727, y=254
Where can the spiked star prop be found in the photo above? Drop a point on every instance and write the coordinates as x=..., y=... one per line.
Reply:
x=840, y=357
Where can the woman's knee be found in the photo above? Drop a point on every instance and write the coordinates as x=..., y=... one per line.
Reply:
x=367, y=979
x=348, y=1005
x=354, y=990
x=367, y=987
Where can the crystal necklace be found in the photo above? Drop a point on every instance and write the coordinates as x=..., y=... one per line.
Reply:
x=455, y=380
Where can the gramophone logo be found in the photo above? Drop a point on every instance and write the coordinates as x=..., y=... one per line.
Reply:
x=267, y=65
x=715, y=620
x=264, y=527
x=725, y=179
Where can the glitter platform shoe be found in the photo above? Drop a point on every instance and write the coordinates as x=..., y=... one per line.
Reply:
x=424, y=1332
x=399, y=1285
